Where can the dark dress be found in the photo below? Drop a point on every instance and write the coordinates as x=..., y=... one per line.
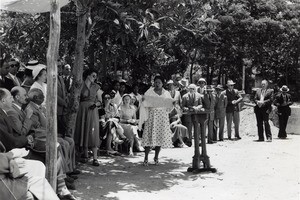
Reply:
x=87, y=121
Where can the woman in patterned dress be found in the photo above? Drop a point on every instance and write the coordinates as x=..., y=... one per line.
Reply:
x=87, y=122
x=157, y=131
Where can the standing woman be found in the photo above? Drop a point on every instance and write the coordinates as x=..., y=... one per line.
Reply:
x=87, y=122
x=157, y=131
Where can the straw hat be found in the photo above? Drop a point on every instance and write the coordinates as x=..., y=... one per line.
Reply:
x=192, y=86
x=33, y=64
x=184, y=82
x=284, y=88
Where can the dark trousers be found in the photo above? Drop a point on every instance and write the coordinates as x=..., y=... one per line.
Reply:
x=283, y=119
x=262, y=119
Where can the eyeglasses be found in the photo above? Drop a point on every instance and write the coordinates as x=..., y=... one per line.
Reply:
x=15, y=65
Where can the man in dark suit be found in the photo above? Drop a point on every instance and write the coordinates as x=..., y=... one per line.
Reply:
x=233, y=109
x=191, y=103
x=283, y=100
x=8, y=135
x=263, y=100
x=4, y=81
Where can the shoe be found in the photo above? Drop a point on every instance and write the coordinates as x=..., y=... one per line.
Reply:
x=69, y=179
x=70, y=186
x=96, y=163
x=238, y=137
x=73, y=177
x=74, y=172
x=156, y=161
x=145, y=163
x=83, y=160
x=66, y=197
x=269, y=139
x=260, y=140
x=221, y=140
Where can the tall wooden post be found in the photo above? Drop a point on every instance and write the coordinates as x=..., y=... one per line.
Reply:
x=52, y=56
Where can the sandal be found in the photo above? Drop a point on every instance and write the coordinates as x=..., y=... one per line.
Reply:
x=96, y=163
x=145, y=163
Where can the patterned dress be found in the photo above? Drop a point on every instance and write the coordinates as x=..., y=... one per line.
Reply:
x=157, y=127
x=87, y=121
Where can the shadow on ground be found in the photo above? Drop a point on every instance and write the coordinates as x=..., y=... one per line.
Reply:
x=118, y=173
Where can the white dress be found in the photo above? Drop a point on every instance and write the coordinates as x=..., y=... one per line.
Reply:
x=157, y=126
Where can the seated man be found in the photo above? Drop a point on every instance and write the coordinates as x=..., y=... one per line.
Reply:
x=21, y=178
x=11, y=139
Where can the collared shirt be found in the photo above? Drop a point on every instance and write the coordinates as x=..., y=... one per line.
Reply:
x=262, y=95
x=19, y=107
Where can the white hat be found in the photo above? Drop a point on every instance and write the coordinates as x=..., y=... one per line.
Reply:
x=201, y=80
x=284, y=88
x=230, y=82
x=33, y=64
x=37, y=69
x=170, y=82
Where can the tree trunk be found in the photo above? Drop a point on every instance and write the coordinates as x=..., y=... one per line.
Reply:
x=52, y=56
x=77, y=69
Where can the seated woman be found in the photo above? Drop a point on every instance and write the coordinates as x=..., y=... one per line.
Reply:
x=110, y=130
x=180, y=136
x=129, y=122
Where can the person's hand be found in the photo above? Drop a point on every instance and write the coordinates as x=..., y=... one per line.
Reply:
x=30, y=140
x=233, y=102
x=92, y=107
x=28, y=110
x=20, y=162
x=185, y=109
x=14, y=169
x=19, y=152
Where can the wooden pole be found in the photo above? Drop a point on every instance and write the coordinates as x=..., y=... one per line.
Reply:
x=52, y=56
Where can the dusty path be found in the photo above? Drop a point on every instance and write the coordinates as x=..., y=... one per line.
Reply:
x=247, y=170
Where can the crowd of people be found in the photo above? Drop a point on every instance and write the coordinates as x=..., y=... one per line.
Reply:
x=114, y=117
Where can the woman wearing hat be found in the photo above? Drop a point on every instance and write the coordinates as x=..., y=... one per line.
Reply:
x=39, y=75
x=283, y=100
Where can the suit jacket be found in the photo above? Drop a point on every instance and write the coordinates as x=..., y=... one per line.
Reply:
x=6, y=83
x=209, y=104
x=283, y=109
x=61, y=95
x=38, y=116
x=16, y=82
x=188, y=101
x=8, y=136
x=22, y=124
x=220, y=106
x=234, y=95
x=268, y=99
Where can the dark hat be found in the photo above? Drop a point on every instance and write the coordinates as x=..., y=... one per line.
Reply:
x=219, y=87
x=39, y=144
x=284, y=88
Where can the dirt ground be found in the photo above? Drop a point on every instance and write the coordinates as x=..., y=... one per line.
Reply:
x=246, y=170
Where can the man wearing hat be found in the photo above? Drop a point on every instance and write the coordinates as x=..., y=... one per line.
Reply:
x=283, y=100
x=183, y=84
x=191, y=103
x=202, y=84
x=4, y=70
x=208, y=101
x=263, y=100
x=220, y=111
x=232, y=109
